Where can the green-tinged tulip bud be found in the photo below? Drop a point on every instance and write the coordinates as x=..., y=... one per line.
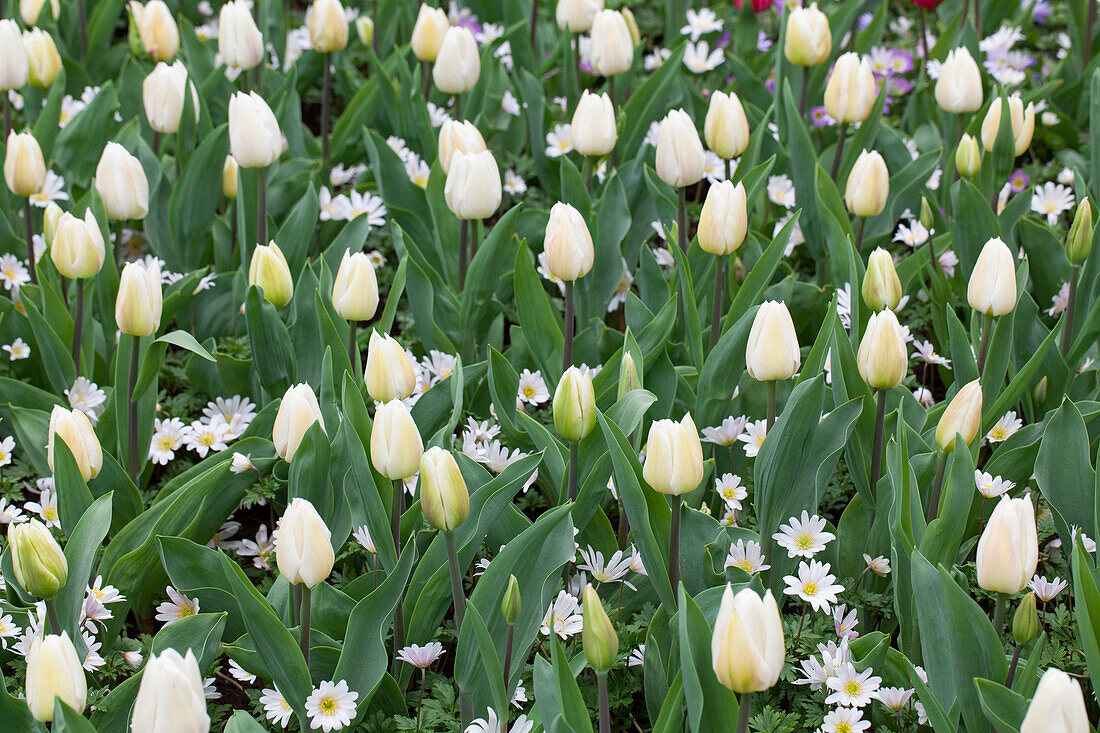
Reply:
x=444, y=500
x=427, y=34
x=303, y=548
x=724, y=221
x=170, y=698
x=881, y=286
x=962, y=416
x=968, y=157
x=473, y=189
x=328, y=28
x=1079, y=239
x=568, y=243
x=355, y=291
x=24, y=166
x=739, y=271
x=1025, y=623
x=882, y=357
x=592, y=130
x=926, y=218
x=75, y=429
x=54, y=673
x=868, y=185
x=632, y=25
x=458, y=136
x=395, y=444
x=1039, y=394
x=673, y=457
x=458, y=64
x=43, y=60
x=601, y=643
x=1058, y=705
x=959, y=86
x=726, y=129
x=389, y=372
x=13, y=57
x=121, y=183
x=50, y=219
x=160, y=38
x=39, y=564
x=76, y=248
x=612, y=47
x=1008, y=549
x=772, y=350
x=270, y=272
x=139, y=301
x=809, y=40
x=576, y=16
x=31, y=11
x=229, y=177
x=297, y=413
x=1023, y=123
x=680, y=157
x=850, y=94
x=747, y=646
x=630, y=376
x=240, y=42
x=992, y=286
x=574, y=405
x=364, y=28
x=510, y=606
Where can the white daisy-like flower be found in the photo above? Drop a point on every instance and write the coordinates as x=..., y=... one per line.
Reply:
x=926, y=352
x=92, y=660
x=923, y=395
x=913, y=234
x=701, y=22
x=341, y=176
x=362, y=536
x=333, y=208
x=367, y=205
x=240, y=673
x=8, y=630
x=614, y=570
x=814, y=585
x=331, y=706
x=781, y=191
x=510, y=104
x=53, y=189
x=177, y=607
x=492, y=724
x=241, y=462
x=852, y=688
x=514, y=183
x=948, y=262
x=261, y=549
x=1059, y=301
x=636, y=657
x=1052, y=200
x=532, y=389
x=731, y=490
x=13, y=273
x=894, y=698
x=1090, y=546
x=699, y=59
x=86, y=396
x=421, y=657
x=803, y=537
x=563, y=617
x=652, y=61
x=46, y=506
x=844, y=720
x=1004, y=428
x=747, y=556
x=10, y=513
x=845, y=622
x=276, y=708
x=991, y=486
x=879, y=565
x=206, y=437
x=17, y=349
x=559, y=141
x=168, y=436
x=93, y=612
x=7, y=448
x=1046, y=590
x=753, y=437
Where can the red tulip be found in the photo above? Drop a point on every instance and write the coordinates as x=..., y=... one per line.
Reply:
x=758, y=5
x=927, y=4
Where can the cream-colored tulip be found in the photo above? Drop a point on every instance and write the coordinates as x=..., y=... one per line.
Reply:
x=328, y=28
x=968, y=157
x=1008, y=549
x=1023, y=123
x=255, y=139
x=747, y=647
x=51, y=217
x=576, y=16
x=139, y=301
x=38, y=561
x=163, y=97
x=121, y=183
x=962, y=416
x=868, y=185
x=170, y=697
x=270, y=272
x=882, y=358
x=395, y=444
x=157, y=29
x=673, y=457
x=881, y=286
x=574, y=405
x=611, y=50
x=473, y=189
x=31, y=11
x=43, y=60
x=389, y=373
x=229, y=178
x=24, y=167
x=726, y=129
x=74, y=427
x=724, y=220
x=240, y=42
x=13, y=57
x=364, y=28
x=296, y=415
x=959, y=86
x=303, y=547
x=458, y=64
x=444, y=499
x=355, y=291
x=772, y=351
x=54, y=673
x=809, y=40
x=427, y=34
x=568, y=243
x=850, y=93
x=593, y=130
x=992, y=286
x=598, y=637
x=680, y=157
x=1058, y=705
x=77, y=248
x=458, y=136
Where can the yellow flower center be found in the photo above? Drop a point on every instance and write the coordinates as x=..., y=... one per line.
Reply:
x=328, y=706
x=844, y=728
x=744, y=565
x=528, y=391
x=49, y=513
x=166, y=442
x=186, y=610
x=852, y=687
x=98, y=592
x=727, y=492
x=810, y=589
x=804, y=541
x=998, y=433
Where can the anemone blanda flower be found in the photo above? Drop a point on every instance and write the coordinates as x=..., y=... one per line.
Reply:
x=747, y=556
x=178, y=607
x=731, y=490
x=814, y=585
x=1046, y=590
x=1004, y=428
x=1052, y=200
x=421, y=657
x=845, y=720
x=753, y=437
x=331, y=706
x=991, y=486
x=727, y=432
x=803, y=537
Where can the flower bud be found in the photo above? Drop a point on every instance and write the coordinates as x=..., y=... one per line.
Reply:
x=963, y=416
x=473, y=190
x=968, y=157
x=24, y=167
x=458, y=136
x=726, y=128
x=630, y=376
x=139, y=300
x=510, y=605
x=959, y=87
x=576, y=16
x=926, y=218
x=254, y=136
x=39, y=564
x=850, y=93
x=1058, y=705
x=43, y=61
x=1039, y=394
x=77, y=247
x=297, y=413
x=355, y=292
x=673, y=457
x=868, y=185
x=458, y=64
x=593, y=127
x=444, y=500
x=121, y=183
x=724, y=220
x=134, y=658
x=772, y=351
x=159, y=35
x=612, y=48
x=1008, y=549
x=31, y=11
x=568, y=244
x=54, y=673
x=240, y=42
x=601, y=643
x=395, y=444
x=74, y=427
x=303, y=547
x=13, y=57
x=882, y=357
x=574, y=405
x=680, y=157
x=747, y=646
x=51, y=217
x=229, y=177
x=1079, y=239
x=1025, y=622
x=427, y=34
x=881, y=286
x=170, y=698
x=162, y=95
x=269, y=271
x=992, y=287
x=389, y=373
x=328, y=28
x=1023, y=123
x=364, y=28
x=809, y=41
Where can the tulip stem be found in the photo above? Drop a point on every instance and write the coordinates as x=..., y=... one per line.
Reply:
x=570, y=326
x=934, y=497
x=999, y=608
x=605, y=710
x=681, y=220
x=577, y=61
x=261, y=206
x=82, y=23
x=839, y=154
x=305, y=616
x=51, y=613
x=983, y=348
x=571, y=487
x=27, y=211
x=456, y=580
x=674, y=545
x=859, y=234
x=771, y=403
x=744, y=712
x=805, y=91
x=78, y=323
x=131, y=417
x=463, y=235
x=1016, y=649
x=508, y=661
x=534, y=22
x=876, y=449
x=353, y=346
x=7, y=114
x=326, y=92
x=1071, y=308
x=397, y=509
x=719, y=289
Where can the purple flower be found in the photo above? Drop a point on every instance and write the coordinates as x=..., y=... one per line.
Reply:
x=1018, y=180
x=902, y=61
x=896, y=86
x=723, y=41
x=1041, y=11
x=821, y=118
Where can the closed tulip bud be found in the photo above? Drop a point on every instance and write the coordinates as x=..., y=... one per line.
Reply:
x=170, y=698
x=673, y=457
x=747, y=646
x=389, y=372
x=444, y=500
x=632, y=25
x=364, y=28
x=240, y=42
x=458, y=136
x=1008, y=549
x=568, y=243
x=77, y=249
x=612, y=48
x=121, y=183
x=1025, y=622
x=882, y=357
x=254, y=136
x=1023, y=123
x=31, y=11
x=473, y=190
x=13, y=57
x=54, y=673
x=1079, y=239
x=850, y=93
x=458, y=64
x=680, y=157
x=139, y=300
x=328, y=28
x=1058, y=705
x=1040, y=392
x=75, y=429
x=229, y=177
x=395, y=444
x=39, y=564
x=43, y=61
x=726, y=128
x=593, y=128
x=601, y=643
x=576, y=16
x=297, y=413
x=809, y=40
x=269, y=271
x=427, y=35
x=630, y=376
x=355, y=292
x=959, y=88
x=963, y=416
x=772, y=351
x=303, y=547
x=24, y=167
x=926, y=219
x=510, y=606
x=881, y=286
x=724, y=220
x=163, y=96
x=868, y=185
x=992, y=287
x=968, y=157
x=51, y=217
x=574, y=405
x=160, y=38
